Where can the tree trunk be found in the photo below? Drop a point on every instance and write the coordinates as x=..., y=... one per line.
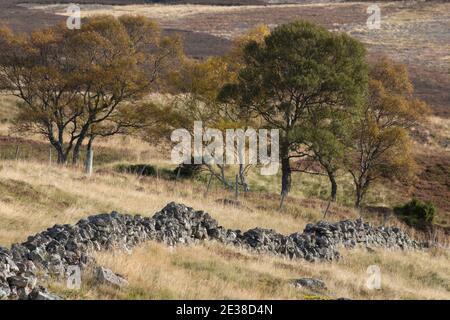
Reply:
x=226, y=184
x=361, y=188
x=77, y=150
x=62, y=157
x=76, y=153
x=58, y=144
x=222, y=176
x=243, y=178
x=89, y=145
x=286, y=179
x=359, y=196
x=333, y=186
x=78, y=144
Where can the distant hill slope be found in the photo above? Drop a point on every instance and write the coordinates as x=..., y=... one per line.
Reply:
x=204, y=34
x=210, y=2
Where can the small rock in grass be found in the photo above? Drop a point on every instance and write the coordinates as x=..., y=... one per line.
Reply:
x=309, y=283
x=106, y=276
x=41, y=293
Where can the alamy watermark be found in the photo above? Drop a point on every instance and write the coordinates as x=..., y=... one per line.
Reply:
x=374, y=19
x=373, y=281
x=73, y=277
x=231, y=150
x=74, y=17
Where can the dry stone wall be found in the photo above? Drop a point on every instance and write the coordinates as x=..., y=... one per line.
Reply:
x=54, y=250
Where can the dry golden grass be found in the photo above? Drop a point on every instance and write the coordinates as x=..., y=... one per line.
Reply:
x=214, y=271
x=34, y=196
x=165, y=11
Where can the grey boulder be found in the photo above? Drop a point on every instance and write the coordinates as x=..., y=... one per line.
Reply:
x=106, y=276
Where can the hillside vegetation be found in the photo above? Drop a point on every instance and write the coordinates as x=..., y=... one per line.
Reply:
x=35, y=196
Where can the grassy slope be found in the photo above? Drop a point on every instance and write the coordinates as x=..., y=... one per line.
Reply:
x=34, y=196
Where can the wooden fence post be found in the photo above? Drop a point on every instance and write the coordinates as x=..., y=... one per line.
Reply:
x=326, y=210
x=89, y=162
x=17, y=152
x=236, y=191
x=208, y=186
x=178, y=173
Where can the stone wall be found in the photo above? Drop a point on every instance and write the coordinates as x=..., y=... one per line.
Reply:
x=53, y=250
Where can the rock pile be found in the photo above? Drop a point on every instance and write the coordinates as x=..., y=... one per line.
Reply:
x=352, y=233
x=54, y=250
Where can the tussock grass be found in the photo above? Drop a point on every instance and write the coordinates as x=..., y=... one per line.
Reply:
x=44, y=195
x=215, y=271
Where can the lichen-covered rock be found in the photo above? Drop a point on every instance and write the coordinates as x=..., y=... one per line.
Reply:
x=106, y=276
x=5, y=291
x=309, y=283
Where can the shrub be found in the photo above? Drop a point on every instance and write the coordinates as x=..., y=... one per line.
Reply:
x=416, y=213
x=138, y=169
x=187, y=170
